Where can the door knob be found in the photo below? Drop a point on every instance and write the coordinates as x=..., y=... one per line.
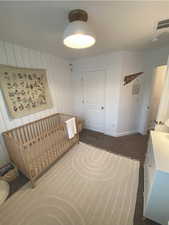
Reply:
x=102, y=107
x=155, y=121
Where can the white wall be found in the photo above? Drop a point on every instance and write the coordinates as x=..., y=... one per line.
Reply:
x=129, y=105
x=124, y=113
x=112, y=64
x=122, y=110
x=59, y=79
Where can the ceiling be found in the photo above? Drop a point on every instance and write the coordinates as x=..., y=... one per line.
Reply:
x=118, y=25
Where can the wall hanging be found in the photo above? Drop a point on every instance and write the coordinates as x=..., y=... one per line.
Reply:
x=25, y=90
x=131, y=77
x=136, y=87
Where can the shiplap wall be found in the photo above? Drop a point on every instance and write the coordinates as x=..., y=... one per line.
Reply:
x=59, y=79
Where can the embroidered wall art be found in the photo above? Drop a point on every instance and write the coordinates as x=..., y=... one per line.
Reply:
x=25, y=90
x=136, y=87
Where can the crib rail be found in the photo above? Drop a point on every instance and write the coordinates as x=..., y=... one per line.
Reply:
x=35, y=146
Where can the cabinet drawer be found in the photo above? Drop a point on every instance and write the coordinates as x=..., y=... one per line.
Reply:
x=145, y=194
x=149, y=150
x=149, y=173
x=150, y=161
x=156, y=179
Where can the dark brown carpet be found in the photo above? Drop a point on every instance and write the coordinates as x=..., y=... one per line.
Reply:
x=133, y=146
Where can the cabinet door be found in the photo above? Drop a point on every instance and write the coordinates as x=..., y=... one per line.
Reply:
x=158, y=203
x=163, y=110
x=149, y=173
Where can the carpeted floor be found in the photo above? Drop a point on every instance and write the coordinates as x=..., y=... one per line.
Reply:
x=133, y=146
x=88, y=186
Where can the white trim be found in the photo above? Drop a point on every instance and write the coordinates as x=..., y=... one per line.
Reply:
x=119, y=134
x=143, y=123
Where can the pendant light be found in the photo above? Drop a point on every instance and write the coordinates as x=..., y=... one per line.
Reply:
x=78, y=34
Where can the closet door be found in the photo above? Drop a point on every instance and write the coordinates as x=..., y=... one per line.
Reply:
x=94, y=99
x=157, y=90
x=163, y=111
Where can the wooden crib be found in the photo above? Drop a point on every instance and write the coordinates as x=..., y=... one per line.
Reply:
x=35, y=146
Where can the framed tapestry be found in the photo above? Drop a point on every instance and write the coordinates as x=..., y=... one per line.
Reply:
x=25, y=90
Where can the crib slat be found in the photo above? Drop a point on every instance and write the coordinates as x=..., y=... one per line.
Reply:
x=32, y=131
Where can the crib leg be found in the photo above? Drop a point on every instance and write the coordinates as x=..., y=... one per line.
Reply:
x=78, y=137
x=33, y=183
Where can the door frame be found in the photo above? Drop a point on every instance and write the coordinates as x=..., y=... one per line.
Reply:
x=152, y=87
x=164, y=101
x=143, y=124
x=105, y=85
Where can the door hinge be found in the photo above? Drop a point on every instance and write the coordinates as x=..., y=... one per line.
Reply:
x=159, y=122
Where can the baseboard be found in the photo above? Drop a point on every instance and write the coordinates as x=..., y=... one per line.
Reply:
x=116, y=134
x=119, y=134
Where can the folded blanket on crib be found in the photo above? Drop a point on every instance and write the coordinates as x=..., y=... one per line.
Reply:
x=71, y=127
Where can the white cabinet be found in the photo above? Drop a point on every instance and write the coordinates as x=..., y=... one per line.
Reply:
x=156, y=178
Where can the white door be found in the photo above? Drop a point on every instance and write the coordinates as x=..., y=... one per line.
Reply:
x=158, y=86
x=94, y=99
x=163, y=111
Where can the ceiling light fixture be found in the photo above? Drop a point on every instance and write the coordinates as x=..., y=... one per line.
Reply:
x=78, y=34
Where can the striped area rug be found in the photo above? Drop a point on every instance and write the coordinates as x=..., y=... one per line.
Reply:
x=87, y=186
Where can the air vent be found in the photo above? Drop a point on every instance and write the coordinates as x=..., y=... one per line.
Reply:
x=163, y=24
x=161, y=31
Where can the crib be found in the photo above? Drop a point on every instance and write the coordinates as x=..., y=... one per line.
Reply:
x=34, y=147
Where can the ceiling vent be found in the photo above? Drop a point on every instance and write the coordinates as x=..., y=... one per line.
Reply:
x=163, y=24
x=162, y=30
